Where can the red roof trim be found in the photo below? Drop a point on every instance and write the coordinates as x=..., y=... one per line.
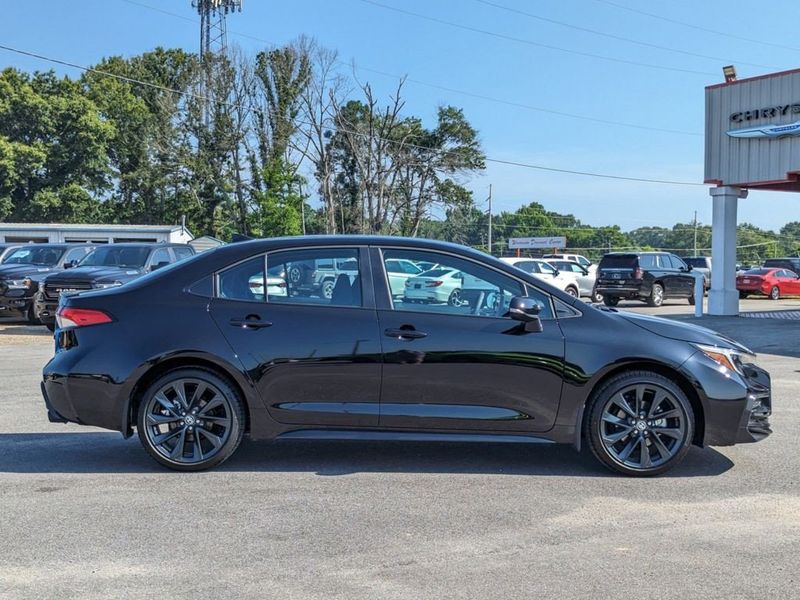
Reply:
x=757, y=77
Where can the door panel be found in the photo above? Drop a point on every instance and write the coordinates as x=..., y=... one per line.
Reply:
x=469, y=373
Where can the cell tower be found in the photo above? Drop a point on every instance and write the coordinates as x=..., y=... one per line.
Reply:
x=213, y=36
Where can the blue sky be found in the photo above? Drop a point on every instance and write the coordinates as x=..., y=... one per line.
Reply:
x=517, y=71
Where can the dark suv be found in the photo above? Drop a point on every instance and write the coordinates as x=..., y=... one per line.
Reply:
x=106, y=267
x=648, y=276
x=788, y=262
x=24, y=268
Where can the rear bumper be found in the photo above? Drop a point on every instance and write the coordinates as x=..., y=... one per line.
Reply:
x=619, y=290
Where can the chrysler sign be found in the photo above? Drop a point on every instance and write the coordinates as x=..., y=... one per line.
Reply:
x=766, y=131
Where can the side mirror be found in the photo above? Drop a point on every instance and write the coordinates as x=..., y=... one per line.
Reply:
x=157, y=266
x=556, y=272
x=70, y=263
x=688, y=268
x=526, y=310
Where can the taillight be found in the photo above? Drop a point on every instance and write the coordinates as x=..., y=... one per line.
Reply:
x=638, y=273
x=433, y=283
x=80, y=317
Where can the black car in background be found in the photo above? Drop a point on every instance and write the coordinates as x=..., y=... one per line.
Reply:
x=106, y=267
x=198, y=354
x=792, y=263
x=648, y=276
x=23, y=269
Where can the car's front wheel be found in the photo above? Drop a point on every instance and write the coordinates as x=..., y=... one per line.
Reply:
x=596, y=296
x=639, y=423
x=191, y=419
x=572, y=291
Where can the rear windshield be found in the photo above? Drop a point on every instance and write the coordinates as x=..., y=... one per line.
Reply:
x=625, y=261
x=696, y=262
x=436, y=273
x=757, y=271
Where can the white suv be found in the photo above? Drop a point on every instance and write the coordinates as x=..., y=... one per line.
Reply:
x=581, y=260
x=541, y=269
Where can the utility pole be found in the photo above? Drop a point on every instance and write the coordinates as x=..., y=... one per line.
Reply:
x=695, y=234
x=490, y=218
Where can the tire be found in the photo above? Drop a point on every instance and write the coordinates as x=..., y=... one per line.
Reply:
x=572, y=291
x=615, y=433
x=596, y=297
x=775, y=293
x=327, y=289
x=692, y=300
x=219, y=401
x=743, y=295
x=455, y=298
x=610, y=300
x=50, y=326
x=656, y=297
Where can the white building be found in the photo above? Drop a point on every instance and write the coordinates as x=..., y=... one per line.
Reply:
x=23, y=233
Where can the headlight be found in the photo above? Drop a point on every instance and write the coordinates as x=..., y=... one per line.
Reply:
x=103, y=286
x=19, y=284
x=733, y=360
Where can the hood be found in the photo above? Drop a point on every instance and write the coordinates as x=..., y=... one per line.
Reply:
x=678, y=330
x=97, y=274
x=23, y=271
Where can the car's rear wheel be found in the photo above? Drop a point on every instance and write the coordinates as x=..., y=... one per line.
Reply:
x=455, y=298
x=190, y=420
x=743, y=295
x=610, y=300
x=691, y=300
x=656, y=297
x=50, y=326
x=639, y=423
x=31, y=317
x=775, y=293
x=572, y=291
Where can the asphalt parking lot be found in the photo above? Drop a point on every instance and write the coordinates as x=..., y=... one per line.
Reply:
x=87, y=514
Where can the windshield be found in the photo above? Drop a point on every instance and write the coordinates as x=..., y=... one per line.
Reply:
x=134, y=257
x=32, y=255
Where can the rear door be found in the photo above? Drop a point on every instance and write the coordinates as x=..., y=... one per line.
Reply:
x=315, y=360
x=467, y=366
x=682, y=281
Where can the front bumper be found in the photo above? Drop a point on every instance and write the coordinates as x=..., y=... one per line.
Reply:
x=45, y=310
x=15, y=303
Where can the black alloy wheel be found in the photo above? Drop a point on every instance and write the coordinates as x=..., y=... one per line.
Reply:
x=190, y=420
x=640, y=423
x=656, y=297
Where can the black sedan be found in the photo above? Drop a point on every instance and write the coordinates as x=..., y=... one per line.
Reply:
x=198, y=354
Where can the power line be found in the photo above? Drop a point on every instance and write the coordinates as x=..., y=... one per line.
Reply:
x=531, y=42
x=451, y=89
x=697, y=27
x=618, y=37
x=344, y=130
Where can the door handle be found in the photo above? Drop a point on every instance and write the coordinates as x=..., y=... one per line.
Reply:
x=405, y=333
x=250, y=322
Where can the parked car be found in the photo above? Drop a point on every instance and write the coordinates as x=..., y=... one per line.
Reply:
x=701, y=264
x=791, y=263
x=106, y=266
x=774, y=283
x=24, y=268
x=543, y=270
x=647, y=276
x=586, y=280
x=436, y=285
x=6, y=249
x=578, y=258
x=317, y=278
x=192, y=360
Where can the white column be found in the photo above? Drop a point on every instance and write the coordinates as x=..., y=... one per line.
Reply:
x=723, y=299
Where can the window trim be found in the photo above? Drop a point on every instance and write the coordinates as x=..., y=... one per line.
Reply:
x=525, y=285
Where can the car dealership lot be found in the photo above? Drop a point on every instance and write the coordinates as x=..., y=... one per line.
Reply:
x=86, y=513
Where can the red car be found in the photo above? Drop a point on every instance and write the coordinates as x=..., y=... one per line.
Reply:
x=770, y=282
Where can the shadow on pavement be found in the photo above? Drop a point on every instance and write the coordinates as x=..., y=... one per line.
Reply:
x=109, y=453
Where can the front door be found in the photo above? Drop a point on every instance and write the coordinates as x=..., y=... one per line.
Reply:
x=464, y=365
x=314, y=360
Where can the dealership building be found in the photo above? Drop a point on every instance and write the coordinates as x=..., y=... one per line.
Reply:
x=53, y=233
x=752, y=142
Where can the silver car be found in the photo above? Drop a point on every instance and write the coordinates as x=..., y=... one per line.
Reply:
x=583, y=277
